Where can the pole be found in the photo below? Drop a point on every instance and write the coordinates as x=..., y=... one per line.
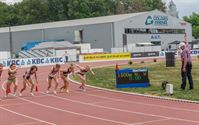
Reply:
x=43, y=34
x=124, y=36
x=11, y=45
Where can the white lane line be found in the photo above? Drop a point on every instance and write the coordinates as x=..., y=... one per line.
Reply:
x=113, y=98
x=28, y=123
x=99, y=102
x=15, y=104
x=140, y=103
x=164, y=107
x=14, y=99
x=26, y=116
x=74, y=113
x=122, y=110
x=103, y=66
x=130, y=93
x=152, y=121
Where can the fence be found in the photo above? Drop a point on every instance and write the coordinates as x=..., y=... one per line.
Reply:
x=136, y=49
x=4, y=55
x=41, y=61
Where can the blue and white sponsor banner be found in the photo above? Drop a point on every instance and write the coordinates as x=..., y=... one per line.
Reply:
x=27, y=62
x=193, y=53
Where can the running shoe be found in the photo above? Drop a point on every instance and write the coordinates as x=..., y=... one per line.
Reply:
x=55, y=92
x=14, y=95
x=67, y=91
x=32, y=94
x=47, y=91
x=83, y=89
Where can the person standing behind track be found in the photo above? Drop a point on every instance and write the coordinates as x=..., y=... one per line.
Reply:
x=12, y=72
x=53, y=75
x=186, y=66
x=66, y=56
x=64, y=74
x=27, y=79
x=82, y=75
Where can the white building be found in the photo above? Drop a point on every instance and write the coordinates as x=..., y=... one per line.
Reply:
x=103, y=32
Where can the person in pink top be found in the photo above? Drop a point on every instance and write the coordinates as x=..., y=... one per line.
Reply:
x=186, y=66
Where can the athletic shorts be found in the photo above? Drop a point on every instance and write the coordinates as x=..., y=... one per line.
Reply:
x=51, y=77
x=26, y=77
x=11, y=80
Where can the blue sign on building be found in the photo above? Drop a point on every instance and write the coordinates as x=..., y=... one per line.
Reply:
x=157, y=20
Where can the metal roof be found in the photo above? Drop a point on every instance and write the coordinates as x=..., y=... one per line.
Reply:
x=175, y=42
x=55, y=45
x=70, y=23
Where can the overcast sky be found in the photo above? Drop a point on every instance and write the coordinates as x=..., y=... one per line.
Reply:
x=185, y=7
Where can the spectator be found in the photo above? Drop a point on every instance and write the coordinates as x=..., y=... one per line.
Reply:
x=186, y=66
x=66, y=55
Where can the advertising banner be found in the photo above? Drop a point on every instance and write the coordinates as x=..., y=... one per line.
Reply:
x=144, y=54
x=115, y=56
x=26, y=62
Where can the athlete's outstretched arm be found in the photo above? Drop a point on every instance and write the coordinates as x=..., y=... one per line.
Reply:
x=36, y=77
x=93, y=73
x=78, y=66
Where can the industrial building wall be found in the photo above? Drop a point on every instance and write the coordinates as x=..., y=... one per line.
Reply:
x=21, y=37
x=139, y=22
x=99, y=35
x=147, y=38
x=61, y=33
x=4, y=42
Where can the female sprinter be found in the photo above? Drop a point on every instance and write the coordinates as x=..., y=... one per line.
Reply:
x=82, y=75
x=1, y=70
x=53, y=75
x=64, y=75
x=12, y=71
x=28, y=80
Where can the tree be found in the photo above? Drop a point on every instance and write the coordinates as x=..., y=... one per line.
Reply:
x=87, y=8
x=154, y=4
x=194, y=20
x=40, y=11
x=57, y=9
x=3, y=14
x=132, y=6
x=33, y=11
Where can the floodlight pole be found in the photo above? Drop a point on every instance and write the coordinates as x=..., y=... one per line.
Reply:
x=11, y=42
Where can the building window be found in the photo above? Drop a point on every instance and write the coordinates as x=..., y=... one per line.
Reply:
x=128, y=31
x=153, y=31
x=79, y=36
x=156, y=43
